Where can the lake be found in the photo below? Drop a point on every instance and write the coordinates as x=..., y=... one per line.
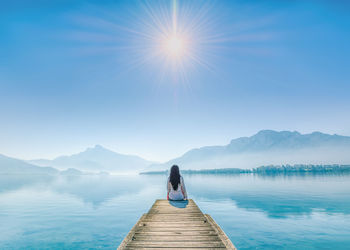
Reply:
x=256, y=212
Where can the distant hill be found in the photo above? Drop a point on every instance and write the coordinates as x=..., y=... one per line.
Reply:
x=10, y=165
x=265, y=148
x=97, y=159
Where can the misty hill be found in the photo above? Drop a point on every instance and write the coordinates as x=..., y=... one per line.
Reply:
x=265, y=148
x=10, y=165
x=97, y=159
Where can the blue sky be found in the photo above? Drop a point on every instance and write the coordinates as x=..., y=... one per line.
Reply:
x=78, y=73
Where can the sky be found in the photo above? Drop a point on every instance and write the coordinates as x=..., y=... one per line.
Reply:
x=74, y=74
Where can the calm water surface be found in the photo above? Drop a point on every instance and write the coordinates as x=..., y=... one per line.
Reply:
x=256, y=212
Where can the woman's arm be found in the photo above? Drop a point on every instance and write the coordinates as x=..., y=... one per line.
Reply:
x=183, y=188
x=168, y=189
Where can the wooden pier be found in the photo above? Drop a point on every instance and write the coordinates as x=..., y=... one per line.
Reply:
x=176, y=225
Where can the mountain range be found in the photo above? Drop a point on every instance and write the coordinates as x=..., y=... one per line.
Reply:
x=97, y=159
x=267, y=147
x=264, y=148
x=10, y=165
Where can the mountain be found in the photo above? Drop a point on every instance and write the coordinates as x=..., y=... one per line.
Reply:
x=97, y=159
x=10, y=165
x=265, y=148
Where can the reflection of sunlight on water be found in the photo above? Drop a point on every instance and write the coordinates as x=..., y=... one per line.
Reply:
x=100, y=210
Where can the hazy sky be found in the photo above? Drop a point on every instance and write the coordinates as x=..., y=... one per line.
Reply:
x=78, y=73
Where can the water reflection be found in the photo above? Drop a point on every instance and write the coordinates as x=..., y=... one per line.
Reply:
x=98, y=189
x=15, y=182
x=277, y=196
x=91, y=189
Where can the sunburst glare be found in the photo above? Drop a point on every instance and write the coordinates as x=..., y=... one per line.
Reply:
x=173, y=38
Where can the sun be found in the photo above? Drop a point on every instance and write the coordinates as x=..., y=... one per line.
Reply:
x=174, y=46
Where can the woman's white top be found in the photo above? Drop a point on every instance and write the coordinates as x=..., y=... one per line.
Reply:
x=178, y=194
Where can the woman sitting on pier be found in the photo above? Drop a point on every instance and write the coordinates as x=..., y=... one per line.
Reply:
x=176, y=185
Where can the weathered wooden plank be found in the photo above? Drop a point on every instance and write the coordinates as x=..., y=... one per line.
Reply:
x=176, y=244
x=174, y=220
x=176, y=233
x=178, y=214
x=174, y=248
x=171, y=229
x=202, y=220
x=181, y=238
x=174, y=217
x=172, y=212
x=144, y=223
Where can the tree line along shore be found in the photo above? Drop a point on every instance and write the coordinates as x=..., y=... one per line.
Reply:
x=268, y=169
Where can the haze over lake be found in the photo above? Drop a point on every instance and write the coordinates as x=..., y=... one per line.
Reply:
x=256, y=212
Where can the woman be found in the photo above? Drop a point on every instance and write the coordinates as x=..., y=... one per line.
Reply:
x=176, y=185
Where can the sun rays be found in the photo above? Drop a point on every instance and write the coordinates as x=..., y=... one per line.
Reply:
x=178, y=36
x=169, y=38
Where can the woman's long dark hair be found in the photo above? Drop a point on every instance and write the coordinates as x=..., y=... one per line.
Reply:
x=175, y=176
